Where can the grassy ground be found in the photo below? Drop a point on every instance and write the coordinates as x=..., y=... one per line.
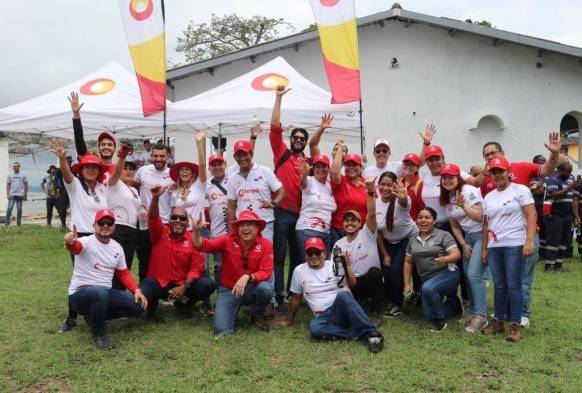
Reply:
x=180, y=355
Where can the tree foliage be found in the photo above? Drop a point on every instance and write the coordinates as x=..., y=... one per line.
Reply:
x=481, y=23
x=228, y=33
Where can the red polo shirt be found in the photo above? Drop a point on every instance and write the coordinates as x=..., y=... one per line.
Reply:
x=259, y=261
x=287, y=173
x=173, y=259
x=521, y=173
x=414, y=190
x=348, y=197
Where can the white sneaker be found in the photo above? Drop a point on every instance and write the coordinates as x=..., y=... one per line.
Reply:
x=524, y=322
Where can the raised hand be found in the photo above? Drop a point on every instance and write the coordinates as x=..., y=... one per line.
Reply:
x=459, y=199
x=428, y=133
x=256, y=130
x=554, y=142
x=326, y=121
x=123, y=152
x=71, y=237
x=198, y=223
x=371, y=184
x=74, y=100
x=400, y=190
x=281, y=91
x=201, y=135
x=157, y=191
x=302, y=167
x=58, y=149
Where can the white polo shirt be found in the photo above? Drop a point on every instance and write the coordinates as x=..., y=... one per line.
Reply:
x=193, y=202
x=318, y=286
x=363, y=251
x=403, y=224
x=125, y=202
x=85, y=205
x=431, y=192
x=472, y=196
x=391, y=166
x=96, y=263
x=149, y=177
x=217, y=208
x=317, y=206
x=249, y=191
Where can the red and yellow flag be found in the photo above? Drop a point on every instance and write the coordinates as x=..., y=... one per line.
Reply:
x=143, y=21
x=338, y=34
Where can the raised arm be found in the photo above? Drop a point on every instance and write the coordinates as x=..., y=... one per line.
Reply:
x=276, y=114
x=201, y=146
x=59, y=150
x=426, y=137
x=80, y=144
x=116, y=175
x=154, y=209
x=335, y=171
x=371, y=204
x=554, y=145
x=255, y=131
x=303, y=168
x=316, y=137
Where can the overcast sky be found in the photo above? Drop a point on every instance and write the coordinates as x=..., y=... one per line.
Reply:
x=48, y=43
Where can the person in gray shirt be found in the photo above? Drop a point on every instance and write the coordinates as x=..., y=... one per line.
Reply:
x=16, y=192
x=434, y=252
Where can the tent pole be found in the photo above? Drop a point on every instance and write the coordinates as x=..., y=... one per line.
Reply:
x=164, y=127
x=220, y=139
x=362, y=138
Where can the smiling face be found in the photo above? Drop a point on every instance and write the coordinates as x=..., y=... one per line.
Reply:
x=248, y=230
x=500, y=177
x=351, y=224
x=409, y=169
x=320, y=171
x=217, y=169
x=435, y=163
x=425, y=221
x=353, y=170
x=315, y=258
x=128, y=174
x=298, y=141
x=106, y=148
x=159, y=158
x=186, y=175
x=382, y=155
x=104, y=228
x=90, y=172
x=450, y=183
x=244, y=160
x=386, y=187
x=178, y=221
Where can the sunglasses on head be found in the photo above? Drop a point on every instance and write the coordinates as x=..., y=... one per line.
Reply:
x=105, y=223
x=313, y=252
x=178, y=217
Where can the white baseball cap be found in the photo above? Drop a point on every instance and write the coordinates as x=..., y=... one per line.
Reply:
x=381, y=142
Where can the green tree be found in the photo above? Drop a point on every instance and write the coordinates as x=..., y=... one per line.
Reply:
x=481, y=23
x=228, y=33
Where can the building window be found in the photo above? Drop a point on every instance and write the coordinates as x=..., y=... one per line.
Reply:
x=489, y=123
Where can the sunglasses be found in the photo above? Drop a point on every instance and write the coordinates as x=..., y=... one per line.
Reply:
x=381, y=151
x=299, y=138
x=177, y=217
x=313, y=253
x=105, y=223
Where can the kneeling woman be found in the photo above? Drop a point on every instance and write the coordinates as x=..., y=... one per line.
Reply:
x=509, y=229
x=434, y=252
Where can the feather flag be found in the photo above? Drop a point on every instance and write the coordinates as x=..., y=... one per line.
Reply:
x=338, y=34
x=143, y=21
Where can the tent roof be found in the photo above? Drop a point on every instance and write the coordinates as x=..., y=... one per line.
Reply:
x=112, y=103
x=238, y=104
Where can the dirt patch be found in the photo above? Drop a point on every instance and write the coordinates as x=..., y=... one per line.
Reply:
x=48, y=386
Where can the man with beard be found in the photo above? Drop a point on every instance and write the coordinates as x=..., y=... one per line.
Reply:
x=97, y=259
x=146, y=178
x=106, y=141
x=286, y=161
x=176, y=269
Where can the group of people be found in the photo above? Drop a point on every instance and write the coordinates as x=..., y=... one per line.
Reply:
x=362, y=242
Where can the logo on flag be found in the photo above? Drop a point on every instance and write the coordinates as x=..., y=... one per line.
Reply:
x=97, y=87
x=269, y=82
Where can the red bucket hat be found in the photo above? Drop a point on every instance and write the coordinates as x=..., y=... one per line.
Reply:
x=249, y=216
x=175, y=169
x=88, y=159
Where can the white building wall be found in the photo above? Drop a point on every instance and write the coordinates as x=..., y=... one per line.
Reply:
x=452, y=81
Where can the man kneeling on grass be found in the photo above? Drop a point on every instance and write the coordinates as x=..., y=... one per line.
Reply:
x=175, y=269
x=337, y=314
x=247, y=265
x=97, y=259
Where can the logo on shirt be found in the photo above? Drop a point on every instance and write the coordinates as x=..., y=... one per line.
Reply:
x=214, y=196
x=99, y=266
x=258, y=247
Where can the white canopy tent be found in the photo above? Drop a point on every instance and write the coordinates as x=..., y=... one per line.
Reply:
x=112, y=103
x=233, y=107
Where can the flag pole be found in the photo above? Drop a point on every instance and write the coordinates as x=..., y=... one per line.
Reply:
x=362, y=138
x=164, y=19
x=164, y=127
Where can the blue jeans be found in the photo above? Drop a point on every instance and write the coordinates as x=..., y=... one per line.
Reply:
x=394, y=275
x=303, y=234
x=475, y=273
x=528, y=277
x=267, y=233
x=434, y=291
x=11, y=201
x=284, y=233
x=98, y=304
x=507, y=264
x=345, y=318
x=153, y=291
x=228, y=305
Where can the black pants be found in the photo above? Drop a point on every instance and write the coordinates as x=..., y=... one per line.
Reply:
x=143, y=251
x=127, y=237
x=463, y=283
x=369, y=285
x=558, y=232
x=52, y=203
x=73, y=314
x=64, y=206
x=153, y=291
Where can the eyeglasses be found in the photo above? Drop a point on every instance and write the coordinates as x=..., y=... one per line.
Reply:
x=299, y=138
x=177, y=217
x=381, y=151
x=313, y=253
x=105, y=223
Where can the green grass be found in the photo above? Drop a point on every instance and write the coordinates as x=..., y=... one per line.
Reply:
x=181, y=356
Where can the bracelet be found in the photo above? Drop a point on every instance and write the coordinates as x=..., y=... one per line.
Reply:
x=372, y=194
x=253, y=137
x=426, y=143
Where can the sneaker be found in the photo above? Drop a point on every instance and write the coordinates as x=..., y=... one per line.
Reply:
x=478, y=323
x=393, y=312
x=466, y=318
x=438, y=325
x=281, y=308
x=514, y=333
x=497, y=327
x=375, y=342
x=207, y=310
x=102, y=342
x=524, y=322
x=68, y=325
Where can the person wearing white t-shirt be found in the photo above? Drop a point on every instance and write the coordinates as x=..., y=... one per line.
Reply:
x=254, y=187
x=218, y=211
x=16, y=192
x=98, y=258
x=509, y=229
x=361, y=246
x=148, y=177
x=395, y=226
x=123, y=199
x=337, y=315
x=462, y=204
x=318, y=204
x=383, y=163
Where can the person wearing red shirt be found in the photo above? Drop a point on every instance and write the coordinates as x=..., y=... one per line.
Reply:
x=413, y=182
x=247, y=265
x=286, y=160
x=176, y=268
x=98, y=258
x=349, y=190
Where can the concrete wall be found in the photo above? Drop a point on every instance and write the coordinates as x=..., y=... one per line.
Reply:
x=452, y=81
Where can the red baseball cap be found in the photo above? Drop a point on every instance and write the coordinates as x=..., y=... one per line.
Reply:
x=246, y=216
x=353, y=158
x=215, y=157
x=432, y=151
x=243, y=145
x=411, y=157
x=355, y=213
x=451, y=170
x=320, y=159
x=106, y=135
x=499, y=163
x=103, y=213
x=315, y=242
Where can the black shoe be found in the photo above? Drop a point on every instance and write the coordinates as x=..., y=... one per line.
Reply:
x=68, y=325
x=281, y=308
x=184, y=310
x=549, y=269
x=375, y=342
x=393, y=312
x=438, y=325
x=261, y=323
x=102, y=342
